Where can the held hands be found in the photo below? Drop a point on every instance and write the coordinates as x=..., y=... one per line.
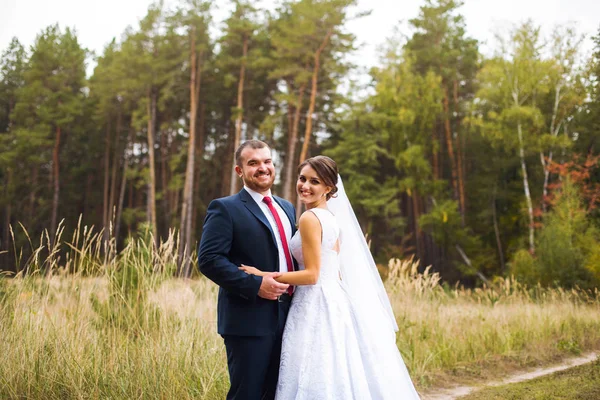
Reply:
x=269, y=289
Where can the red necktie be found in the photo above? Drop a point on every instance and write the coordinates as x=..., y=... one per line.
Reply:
x=288, y=257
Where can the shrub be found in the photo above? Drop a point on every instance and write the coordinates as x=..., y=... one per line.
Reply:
x=567, y=252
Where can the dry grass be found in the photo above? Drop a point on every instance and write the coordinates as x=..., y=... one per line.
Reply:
x=453, y=335
x=107, y=325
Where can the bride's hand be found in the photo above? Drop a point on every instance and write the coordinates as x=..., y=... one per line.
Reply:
x=252, y=270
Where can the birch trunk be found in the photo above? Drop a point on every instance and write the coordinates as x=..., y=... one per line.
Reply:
x=554, y=130
x=526, y=188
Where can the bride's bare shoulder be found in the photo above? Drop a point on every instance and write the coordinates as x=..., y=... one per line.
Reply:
x=309, y=220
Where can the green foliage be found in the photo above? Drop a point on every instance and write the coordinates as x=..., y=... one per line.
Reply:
x=433, y=151
x=566, y=241
x=566, y=247
x=374, y=194
x=12, y=65
x=443, y=223
x=525, y=267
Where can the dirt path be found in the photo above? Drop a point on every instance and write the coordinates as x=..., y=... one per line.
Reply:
x=456, y=392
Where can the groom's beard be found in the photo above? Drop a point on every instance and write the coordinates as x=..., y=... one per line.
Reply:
x=258, y=184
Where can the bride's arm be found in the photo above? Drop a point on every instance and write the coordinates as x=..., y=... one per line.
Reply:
x=310, y=231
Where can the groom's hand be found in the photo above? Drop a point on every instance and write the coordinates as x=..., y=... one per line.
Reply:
x=270, y=289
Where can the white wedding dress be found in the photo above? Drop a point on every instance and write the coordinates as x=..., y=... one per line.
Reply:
x=328, y=350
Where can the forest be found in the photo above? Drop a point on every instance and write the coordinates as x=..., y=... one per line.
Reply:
x=480, y=166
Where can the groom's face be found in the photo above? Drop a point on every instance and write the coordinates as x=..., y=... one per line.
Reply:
x=257, y=170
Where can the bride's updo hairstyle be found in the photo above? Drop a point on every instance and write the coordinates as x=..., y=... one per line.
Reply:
x=326, y=169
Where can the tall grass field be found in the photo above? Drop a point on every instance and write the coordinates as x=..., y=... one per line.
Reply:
x=85, y=322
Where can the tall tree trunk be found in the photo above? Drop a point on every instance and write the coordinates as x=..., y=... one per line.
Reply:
x=56, y=185
x=199, y=158
x=450, y=143
x=229, y=159
x=122, y=186
x=151, y=163
x=313, y=96
x=526, y=188
x=131, y=202
x=461, y=181
x=164, y=177
x=115, y=168
x=174, y=195
x=292, y=142
x=235, y=182
x=185, y=229
x=459, y=160
x=106, y=204
x=554, y=130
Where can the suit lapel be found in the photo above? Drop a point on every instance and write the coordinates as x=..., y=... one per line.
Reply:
x=256, y=211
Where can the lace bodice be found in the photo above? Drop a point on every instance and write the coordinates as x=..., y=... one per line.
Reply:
x=329, y=256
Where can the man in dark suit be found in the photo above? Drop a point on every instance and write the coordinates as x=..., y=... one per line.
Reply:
x=247, y=229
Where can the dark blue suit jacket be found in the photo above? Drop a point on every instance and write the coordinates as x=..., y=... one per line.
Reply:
x=237, y=232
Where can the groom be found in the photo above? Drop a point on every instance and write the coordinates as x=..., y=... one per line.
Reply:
x=247, y=229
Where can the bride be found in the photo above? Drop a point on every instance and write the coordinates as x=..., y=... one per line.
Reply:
x=339, y=340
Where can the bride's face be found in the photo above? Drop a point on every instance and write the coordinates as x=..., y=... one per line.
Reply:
x=310, y=188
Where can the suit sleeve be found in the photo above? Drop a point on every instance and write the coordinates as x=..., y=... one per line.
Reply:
x=213, y=261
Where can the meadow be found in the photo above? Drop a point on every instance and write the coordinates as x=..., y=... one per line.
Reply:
x=84, y=321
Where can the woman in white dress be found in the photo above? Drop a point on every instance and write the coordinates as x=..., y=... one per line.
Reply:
x=339, y=338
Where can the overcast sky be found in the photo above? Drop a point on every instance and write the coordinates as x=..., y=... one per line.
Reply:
x=97, y=22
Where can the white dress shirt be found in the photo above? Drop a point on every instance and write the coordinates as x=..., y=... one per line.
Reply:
x=287, y=226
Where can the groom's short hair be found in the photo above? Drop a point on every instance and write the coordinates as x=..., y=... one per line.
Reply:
x=253, y=144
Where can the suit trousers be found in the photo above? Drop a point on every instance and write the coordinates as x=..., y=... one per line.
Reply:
x=253, y=362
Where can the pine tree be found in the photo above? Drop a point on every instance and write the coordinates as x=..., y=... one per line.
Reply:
x=440, y=45
x=305, y=35
x=12, y=66
x=196, y=21
x=52, y=98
